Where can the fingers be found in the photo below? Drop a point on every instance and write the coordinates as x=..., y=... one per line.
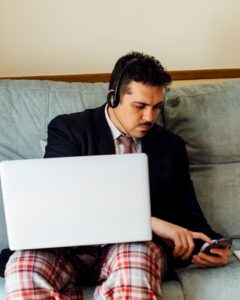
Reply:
x=182, y=239
x=223, y=255
x=196, y=260
x=217, y=258
x=201, y=236
x=205, y=261
x=184, y=244
x=191, y=246
x=179, y=245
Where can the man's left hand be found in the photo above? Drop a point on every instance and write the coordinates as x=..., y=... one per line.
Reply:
x=219, y=258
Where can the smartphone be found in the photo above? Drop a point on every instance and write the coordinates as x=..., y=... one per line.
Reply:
x=221, y=243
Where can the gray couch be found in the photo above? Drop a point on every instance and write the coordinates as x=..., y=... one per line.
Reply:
x=208, y=119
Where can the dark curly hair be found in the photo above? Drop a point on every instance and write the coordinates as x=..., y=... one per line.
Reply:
x=142, y=68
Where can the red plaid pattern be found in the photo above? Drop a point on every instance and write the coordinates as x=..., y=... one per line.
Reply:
x=132, y=271
x=127, y=271
x=41, y=275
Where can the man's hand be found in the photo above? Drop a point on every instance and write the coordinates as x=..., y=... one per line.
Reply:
x=220, y=258
x=180, y=238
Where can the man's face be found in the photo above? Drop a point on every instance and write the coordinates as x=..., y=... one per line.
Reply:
x=138, y=109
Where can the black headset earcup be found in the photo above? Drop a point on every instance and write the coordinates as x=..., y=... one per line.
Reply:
x=111, y=99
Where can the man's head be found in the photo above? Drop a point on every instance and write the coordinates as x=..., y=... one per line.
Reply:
x=136, y=91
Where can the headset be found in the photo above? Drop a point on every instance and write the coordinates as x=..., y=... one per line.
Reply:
x=113, y=97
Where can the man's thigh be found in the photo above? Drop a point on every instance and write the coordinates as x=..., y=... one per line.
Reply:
x=132, y=268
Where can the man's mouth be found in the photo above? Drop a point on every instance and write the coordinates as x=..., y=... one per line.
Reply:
x=145, y=126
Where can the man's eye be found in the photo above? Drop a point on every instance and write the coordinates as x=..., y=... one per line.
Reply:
x=139, y=105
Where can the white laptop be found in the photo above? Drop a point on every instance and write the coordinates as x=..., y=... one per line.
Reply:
x=59, y=202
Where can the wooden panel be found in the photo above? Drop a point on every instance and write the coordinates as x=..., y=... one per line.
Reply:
x=104, y=77
x=205, y=74
x=98, y=77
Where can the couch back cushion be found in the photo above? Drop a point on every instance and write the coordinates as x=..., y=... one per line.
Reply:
x=207, y=117
x=26, y=107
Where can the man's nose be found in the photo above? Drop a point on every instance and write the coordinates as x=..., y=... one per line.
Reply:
x=149, y=115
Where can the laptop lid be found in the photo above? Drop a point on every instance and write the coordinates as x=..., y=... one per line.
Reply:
x=73, y=201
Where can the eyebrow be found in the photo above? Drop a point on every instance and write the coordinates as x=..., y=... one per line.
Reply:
x=146, y=104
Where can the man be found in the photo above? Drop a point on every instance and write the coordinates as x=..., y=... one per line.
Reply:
x=131, y=270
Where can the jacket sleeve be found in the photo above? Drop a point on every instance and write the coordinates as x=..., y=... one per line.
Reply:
x=191, y=215
x=61, y=141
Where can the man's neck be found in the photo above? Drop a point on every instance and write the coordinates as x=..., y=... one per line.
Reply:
x=115, y=120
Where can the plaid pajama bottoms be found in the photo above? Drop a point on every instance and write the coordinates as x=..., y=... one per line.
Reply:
x=121, y=271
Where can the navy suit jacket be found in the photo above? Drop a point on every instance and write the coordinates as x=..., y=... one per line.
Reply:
x=172, y=194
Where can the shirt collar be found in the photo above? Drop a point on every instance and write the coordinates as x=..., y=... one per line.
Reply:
x=115, y=132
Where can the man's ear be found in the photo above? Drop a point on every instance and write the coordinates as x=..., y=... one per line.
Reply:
x=111, y=98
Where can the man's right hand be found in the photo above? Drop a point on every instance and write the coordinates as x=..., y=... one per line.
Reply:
x=180, y=238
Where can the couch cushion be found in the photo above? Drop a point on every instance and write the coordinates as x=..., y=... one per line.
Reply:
x=73, y=97
x=23, y=108
x=208, y=284
x=27, y=106
x=207, y=118
x=3, y=231
x=172, y=290
x=218, y=191
x=2, y=289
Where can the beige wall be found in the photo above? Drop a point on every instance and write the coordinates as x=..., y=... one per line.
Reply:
x=85, y=36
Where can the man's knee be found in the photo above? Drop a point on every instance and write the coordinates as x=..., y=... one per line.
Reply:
x=132, y=268
x=28, y=261
x=140, y=254
x=33, y=266
x=43, y=274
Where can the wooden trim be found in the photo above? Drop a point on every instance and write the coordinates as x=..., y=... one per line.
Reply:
x=205, y=74
x=104, y=77
x=98, y=77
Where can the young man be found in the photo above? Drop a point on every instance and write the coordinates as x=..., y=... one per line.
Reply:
x=126, y=123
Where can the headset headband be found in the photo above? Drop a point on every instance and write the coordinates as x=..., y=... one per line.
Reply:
x=114, y=95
